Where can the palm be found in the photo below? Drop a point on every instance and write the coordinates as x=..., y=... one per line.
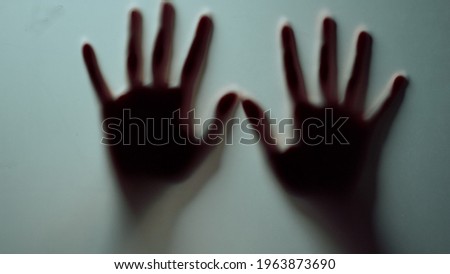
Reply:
x=324, y=167
x=148, y=128
x=160, y=156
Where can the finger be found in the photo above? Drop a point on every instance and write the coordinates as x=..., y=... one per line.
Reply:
x=100, y=86
x=396, y=94
x=357, y=86
x=195, y=59
x=328, y=62
x=224, y=110
x=261, y=125
x=134, y=61
x=293, y=71
x=163, y=47
x=226, y=106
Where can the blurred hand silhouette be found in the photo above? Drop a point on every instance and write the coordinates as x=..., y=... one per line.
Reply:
x=336, y=140
x=149, y=131
x=143, y=143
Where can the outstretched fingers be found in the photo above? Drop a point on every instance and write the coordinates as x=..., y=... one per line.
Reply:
x=261, y=125
x=196, y=58
x=100, y=86
x=134, y=60
x=328, y=62
x=355, y=95
x=163, y=47
x=293, y=71
x=396, y=94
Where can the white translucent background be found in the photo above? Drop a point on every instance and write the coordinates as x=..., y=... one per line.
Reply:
x=57, y=192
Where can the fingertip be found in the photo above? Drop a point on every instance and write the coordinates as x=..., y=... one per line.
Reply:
x=206, y=22
x=205, y=27
x=227, y=103
x=401, y=82
x=134, y=11
x=329, y=23
x=329, y=29
x=135, y=14
x=365, y=38
x=136, y=20
x=287, y=33
x=247, y=104
x=168, y=8
x=251, y=109
x=168, y=15
x=394, y=99
x=230, y=96
x=88, y=51
x=86, y=47
x=364, y=44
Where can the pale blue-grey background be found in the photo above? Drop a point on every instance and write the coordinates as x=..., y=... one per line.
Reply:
x=56, y=190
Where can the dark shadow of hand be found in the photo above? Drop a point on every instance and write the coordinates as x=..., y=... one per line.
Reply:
x=150, y=128
x=336, y=145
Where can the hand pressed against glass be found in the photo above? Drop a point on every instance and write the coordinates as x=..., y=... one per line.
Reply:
x=150, y=128
x=327, y=159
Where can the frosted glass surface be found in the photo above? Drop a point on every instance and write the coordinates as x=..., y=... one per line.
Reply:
x=57, y=192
